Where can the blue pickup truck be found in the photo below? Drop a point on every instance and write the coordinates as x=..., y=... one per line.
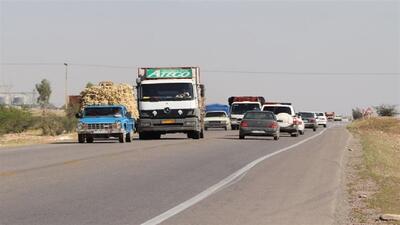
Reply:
x=105, y=121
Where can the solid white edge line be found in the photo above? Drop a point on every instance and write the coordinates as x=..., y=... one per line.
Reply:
x=213, y=189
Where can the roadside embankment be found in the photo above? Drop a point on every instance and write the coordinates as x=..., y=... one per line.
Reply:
x=375, y=185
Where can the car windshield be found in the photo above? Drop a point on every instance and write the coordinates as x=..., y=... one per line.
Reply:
x=103, y=111
x=260, y=115
x=167, y=91
x=244, y=107
x=320, y=114
x=306, y=114
x=215, y=114
x=278, y=109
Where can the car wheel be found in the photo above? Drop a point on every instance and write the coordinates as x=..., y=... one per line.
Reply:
x=325, y=125
x=241, y=136
x=276, y=137
x=226, y=128
x=205, y=128
x=301, y=132
x=314, y=129
x=194, y=135
x=81, y=138
x=295, y=134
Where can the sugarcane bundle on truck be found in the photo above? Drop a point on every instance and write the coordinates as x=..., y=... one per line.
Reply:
x=108, y=110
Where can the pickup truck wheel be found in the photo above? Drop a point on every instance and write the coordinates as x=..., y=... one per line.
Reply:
x=89, y=139
x=202, y=134
x=81, y=138
x=129, y=137
x=122, y=138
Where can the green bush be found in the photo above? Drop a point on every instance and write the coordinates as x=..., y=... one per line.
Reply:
x=357, y=114
x=386, y=110
x=14, y=120
x=53, y=125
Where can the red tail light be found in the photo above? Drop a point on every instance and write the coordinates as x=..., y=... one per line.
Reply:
x=273, y=125
x=295, y=121
x=312, y=120
x=244, y=124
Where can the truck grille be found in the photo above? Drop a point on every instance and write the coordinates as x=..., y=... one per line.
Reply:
x=99, y=126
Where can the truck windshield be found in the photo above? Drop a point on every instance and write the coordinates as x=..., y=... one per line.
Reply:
x=167, y=91
x=278, y=109
x=215, y=114
x=103, y=111
x=244, y=107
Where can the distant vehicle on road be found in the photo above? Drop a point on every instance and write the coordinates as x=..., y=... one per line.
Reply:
x=330, y=115
x=259, y=123
x=309, y=119
x=105, y=121
x=217, y=119
x=338, y=118
x=286, y=117
x=321, y=119
x=242, y=104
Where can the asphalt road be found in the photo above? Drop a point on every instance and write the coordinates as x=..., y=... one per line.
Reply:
x=134, y=183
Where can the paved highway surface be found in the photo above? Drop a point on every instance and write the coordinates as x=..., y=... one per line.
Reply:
x=168, y=181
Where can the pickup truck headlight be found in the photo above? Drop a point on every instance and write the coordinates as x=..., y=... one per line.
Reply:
x=117, y=125
x=80, y=126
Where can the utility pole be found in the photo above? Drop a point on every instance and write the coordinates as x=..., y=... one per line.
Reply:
x=66, y=85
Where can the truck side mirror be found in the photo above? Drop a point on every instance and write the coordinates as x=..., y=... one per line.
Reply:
x=78, y=115
x=202, y=90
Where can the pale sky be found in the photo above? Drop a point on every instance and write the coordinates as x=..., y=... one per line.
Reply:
x=326, y=55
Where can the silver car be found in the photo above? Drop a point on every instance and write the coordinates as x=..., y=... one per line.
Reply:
x=259, y=123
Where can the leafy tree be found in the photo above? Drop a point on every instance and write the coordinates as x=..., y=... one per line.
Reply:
x=44, y=90
x=386, y=110
x=89, y=85
x=357, y=114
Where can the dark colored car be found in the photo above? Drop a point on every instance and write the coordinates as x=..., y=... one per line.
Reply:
x=259, y=123
x=309, y=119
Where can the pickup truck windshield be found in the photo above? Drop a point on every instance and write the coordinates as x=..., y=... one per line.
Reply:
x=215, y=114
x=167, y=92
x=243, y=108
x=278, y=109
x=103, y=111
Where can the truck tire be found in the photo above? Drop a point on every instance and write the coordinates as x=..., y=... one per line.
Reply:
x=122, y=138
x=276, y=137
x=89, y=139
x=81, y=138
x=241, y=136
x=195, y=134
x=155, y=136
x=202, y=134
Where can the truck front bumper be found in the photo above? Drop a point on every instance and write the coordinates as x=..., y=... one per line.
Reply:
x=182, y=125
x=95, y=132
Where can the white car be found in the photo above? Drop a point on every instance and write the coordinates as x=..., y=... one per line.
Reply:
x=217, y=119
x=321, y=118
x=287, y=119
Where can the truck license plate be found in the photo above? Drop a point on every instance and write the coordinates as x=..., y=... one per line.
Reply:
x=168, y=121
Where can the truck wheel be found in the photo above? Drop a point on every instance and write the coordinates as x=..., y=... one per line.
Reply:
x=241, y=136
x=196, y=135
x=202, y=134
x=89, y=139
x=226, y=128
x=122, y=138
x=156, y=136
x=129, y=136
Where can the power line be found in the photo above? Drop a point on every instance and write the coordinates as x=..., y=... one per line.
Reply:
x=206, y=70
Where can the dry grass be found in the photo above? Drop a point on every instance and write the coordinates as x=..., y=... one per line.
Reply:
x=32, y=137
x=380, y=140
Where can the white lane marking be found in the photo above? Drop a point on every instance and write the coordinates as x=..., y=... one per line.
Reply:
x=216, y=187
